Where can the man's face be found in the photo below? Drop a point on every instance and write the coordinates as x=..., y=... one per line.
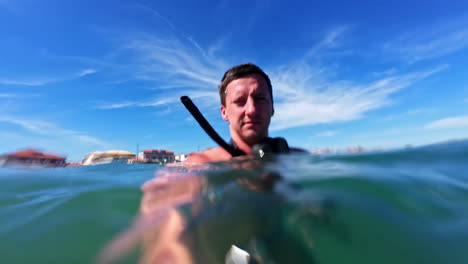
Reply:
x=248, y=108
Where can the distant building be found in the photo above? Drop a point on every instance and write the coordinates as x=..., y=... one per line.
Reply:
x=181, y=157
x=158, y=155
x=322, y=151
x=109, y=156
x=31, y=158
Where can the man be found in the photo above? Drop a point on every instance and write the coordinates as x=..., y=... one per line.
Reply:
x=247, y=104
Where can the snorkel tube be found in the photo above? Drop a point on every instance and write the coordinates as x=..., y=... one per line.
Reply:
x=263, y=149
x=192, y=108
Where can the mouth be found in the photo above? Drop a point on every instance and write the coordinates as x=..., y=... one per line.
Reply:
x=252, y=123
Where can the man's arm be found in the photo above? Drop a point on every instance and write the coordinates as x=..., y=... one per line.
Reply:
x=197, y=158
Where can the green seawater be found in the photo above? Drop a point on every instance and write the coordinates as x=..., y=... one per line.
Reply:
x=406, y=206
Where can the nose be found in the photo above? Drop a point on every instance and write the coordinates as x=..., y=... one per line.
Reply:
x=250, y=107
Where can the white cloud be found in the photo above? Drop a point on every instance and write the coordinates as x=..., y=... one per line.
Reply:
x=432, y=41
x=24, y=82
x=156, y=13
x=156, y=102
x=116, y=105
x=305, y=97
x=44, y=80
x=89, y=140
x=304, y=94
x=389, y=72
x=412, y=112
x=51, y=130
x=8, y=95
x=421, y=111
x=38, y=127
x=450, y=122
x=327, y=134
x=202, y=97
x=331, y=40
x=86, y=72
x=177, y=64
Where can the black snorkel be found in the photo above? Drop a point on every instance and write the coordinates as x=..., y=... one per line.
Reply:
x=193, y=109
x=263, y=149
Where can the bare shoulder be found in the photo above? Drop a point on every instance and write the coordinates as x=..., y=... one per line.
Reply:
x=197, y=158
x=210, y=155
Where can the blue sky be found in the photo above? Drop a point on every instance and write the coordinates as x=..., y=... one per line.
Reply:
x=80, y=76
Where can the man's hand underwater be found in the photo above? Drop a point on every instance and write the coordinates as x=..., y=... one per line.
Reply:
x=159, y=225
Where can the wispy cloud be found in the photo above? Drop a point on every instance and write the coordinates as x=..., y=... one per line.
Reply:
x=52, y=130
x=24, y=82
x=333, y=39
x=432, y=41
x=2, y=95
x=450, y=122
x=304, y=93
x=203, y=97
x=179, y=64
x=157, y=102
x=327, y=134
x=412, y=112
x=306, y=97
x=389, y=72
x=86, y=72
x=157, y=14
x=90, y=140
x=27, y=81
x=421, y=111
x=299, y=87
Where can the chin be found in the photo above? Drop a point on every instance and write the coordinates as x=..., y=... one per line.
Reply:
x=253, y=137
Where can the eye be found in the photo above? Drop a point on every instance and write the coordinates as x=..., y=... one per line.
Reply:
x=261, y=98
x=240, y=101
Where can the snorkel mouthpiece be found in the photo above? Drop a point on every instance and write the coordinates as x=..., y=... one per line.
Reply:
x=270, y=146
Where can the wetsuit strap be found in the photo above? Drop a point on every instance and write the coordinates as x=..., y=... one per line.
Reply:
x=267, y=146
x=235, y=148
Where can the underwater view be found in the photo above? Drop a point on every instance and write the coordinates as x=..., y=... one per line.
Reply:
x=403, y=206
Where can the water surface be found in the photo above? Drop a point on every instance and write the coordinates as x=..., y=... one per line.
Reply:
x=406, y=206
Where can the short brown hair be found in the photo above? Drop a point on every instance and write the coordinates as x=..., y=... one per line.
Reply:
x=240, y=71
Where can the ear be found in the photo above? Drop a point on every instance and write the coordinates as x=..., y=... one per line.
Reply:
x=224, y=113
x=272, y=111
